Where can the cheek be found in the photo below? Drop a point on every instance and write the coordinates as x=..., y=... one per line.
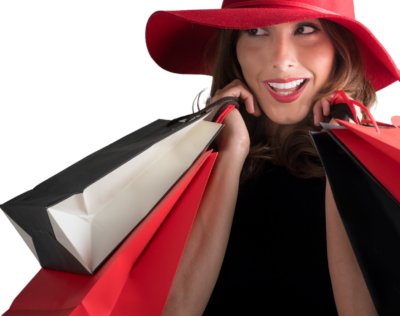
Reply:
x=320, y=60
x=251, y=60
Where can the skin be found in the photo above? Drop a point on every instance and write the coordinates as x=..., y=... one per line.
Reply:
x=298, y=49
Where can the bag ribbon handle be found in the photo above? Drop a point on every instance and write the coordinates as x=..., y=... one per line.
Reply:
x=351, y=103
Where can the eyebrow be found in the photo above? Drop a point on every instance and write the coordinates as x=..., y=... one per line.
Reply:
x=300, y=23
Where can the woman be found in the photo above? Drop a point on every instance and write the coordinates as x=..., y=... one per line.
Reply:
x=259, y=244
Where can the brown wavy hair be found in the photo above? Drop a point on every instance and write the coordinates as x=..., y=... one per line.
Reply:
x=297, y=153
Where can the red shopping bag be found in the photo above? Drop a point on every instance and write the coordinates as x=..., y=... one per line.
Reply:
x=378, y=149
x=362, y=164
x=148, y=285
x=148, y=265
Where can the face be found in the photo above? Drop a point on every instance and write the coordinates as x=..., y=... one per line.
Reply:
x=285, y=65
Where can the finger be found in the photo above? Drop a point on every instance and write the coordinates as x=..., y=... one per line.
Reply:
x=257, y=109
x=237, y=89
x=317, y=110
x=326, y=106
x=334, y=122
x=241, y=92
x=327, y=119
x=251, y=103
x=227, y=91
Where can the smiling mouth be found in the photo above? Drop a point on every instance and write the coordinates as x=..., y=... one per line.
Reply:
x=287, y=88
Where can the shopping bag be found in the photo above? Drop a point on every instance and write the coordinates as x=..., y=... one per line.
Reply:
x=362, y=164
x=137, y=278
x=75, y=220
x=151, y=269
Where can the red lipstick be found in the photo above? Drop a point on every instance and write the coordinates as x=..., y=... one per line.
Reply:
x=285, y=98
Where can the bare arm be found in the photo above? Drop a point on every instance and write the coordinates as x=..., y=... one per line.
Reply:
x=350, y=291
x=205, y=249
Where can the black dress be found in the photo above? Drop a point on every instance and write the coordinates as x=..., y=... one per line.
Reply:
x=276, y=260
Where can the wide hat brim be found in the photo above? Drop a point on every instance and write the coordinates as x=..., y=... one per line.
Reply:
x=178, y=40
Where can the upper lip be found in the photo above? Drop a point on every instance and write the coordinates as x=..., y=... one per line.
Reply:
x=280, y=80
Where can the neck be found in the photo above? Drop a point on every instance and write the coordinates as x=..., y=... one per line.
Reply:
x=278, y=132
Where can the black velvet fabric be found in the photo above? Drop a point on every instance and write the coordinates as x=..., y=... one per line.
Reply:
x=276, y=260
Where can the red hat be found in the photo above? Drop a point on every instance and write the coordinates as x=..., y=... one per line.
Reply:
x=177, y=40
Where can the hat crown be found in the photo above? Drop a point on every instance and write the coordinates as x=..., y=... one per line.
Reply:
x=341, y=7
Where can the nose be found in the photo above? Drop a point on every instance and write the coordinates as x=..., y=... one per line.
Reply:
x=282, y=52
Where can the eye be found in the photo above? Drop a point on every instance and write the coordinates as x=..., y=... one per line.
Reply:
x=307, y=29
x=256, y=32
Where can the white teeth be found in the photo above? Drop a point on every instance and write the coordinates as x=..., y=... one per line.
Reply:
x=287, y=85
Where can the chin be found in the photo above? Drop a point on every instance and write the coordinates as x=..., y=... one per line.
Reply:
x=285, y=113
x=286, y=119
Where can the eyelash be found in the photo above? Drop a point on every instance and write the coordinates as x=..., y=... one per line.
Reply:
x=316, y=29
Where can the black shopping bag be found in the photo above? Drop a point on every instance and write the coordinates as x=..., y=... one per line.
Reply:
x=75, y=220
x=362, y=166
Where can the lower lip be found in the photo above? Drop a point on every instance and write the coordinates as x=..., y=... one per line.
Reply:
x=286, y=98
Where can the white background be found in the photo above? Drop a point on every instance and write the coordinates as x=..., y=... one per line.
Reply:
x=76, y=76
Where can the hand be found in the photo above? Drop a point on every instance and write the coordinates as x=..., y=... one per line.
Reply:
x=322, y=110
x=234, y=135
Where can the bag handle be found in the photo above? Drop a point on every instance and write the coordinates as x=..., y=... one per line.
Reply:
x=228, y=102
x=379, y=123
x=224, y=110
x=351, y=103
